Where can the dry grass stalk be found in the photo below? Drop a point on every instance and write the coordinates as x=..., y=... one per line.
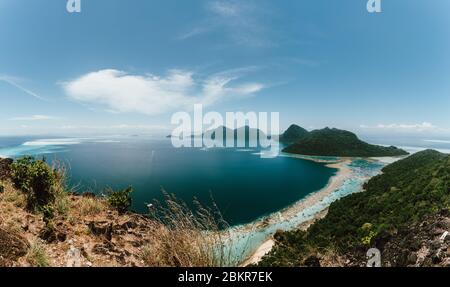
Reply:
x=188, y=237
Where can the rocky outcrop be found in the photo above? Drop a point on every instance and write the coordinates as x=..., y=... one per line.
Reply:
x=101, y=228
x=76, y=238
x=422, y=244
x=54, y=233
x=425, y=244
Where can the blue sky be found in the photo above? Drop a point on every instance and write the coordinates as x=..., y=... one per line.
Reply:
x=126, y=66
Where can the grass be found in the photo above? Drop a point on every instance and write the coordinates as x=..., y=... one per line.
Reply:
x=188, y=238
x=11, y=195
x=37, y=255
x=61, y=203
x=91, y=206
x=13, y=225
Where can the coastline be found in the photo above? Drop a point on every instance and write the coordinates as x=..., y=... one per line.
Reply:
x=302, y=214
x=343, y=173
x=336, y=181
x=267, y=245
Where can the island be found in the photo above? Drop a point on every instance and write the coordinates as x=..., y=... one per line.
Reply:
x=293, y=134
x=335, y=142
x=252, y=135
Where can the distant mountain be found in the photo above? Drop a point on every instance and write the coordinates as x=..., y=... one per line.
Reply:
x=335, y=142
x=293, y=134
x=251, y=135
x=402, y=212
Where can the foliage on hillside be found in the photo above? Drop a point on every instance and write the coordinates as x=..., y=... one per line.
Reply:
x=293, y=134
x=36, y=179
x=404, y=193
x=334, y=142
x=120, y=199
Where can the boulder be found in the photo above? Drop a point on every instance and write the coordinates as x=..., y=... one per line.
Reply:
x=101, y=228
x=129, y=224
x=73, y=257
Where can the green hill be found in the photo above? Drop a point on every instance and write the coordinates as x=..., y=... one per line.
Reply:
x=405, y=193
x=335, y=142
x=293, y=134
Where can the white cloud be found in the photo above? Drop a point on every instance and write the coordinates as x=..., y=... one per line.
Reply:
x=14, y=82
x=226, y=8
x=34, y=118
x=420, y=127
x=121, y=92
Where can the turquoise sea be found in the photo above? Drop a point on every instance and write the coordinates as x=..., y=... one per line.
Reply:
x=244, y=185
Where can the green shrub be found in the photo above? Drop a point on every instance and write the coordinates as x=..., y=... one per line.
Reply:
x=37, y=255
x=48, y=211
x=2, y=187
x=120, y=200
x=36, y=179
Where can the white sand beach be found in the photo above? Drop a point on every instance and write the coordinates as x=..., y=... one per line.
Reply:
x=343, y=173
x=336, y=181
x=267, y=245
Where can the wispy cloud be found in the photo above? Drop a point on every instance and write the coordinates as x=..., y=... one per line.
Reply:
x=419, y=127
x=241, y=22
x=14, y=82
x=438, y=141
x=194, y=32
x=121, y=92
x=226, y=8
x=34, y=118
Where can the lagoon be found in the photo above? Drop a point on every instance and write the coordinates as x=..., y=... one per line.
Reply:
x=244, y=185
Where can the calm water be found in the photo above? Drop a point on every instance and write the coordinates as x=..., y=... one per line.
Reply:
x=244, y=185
